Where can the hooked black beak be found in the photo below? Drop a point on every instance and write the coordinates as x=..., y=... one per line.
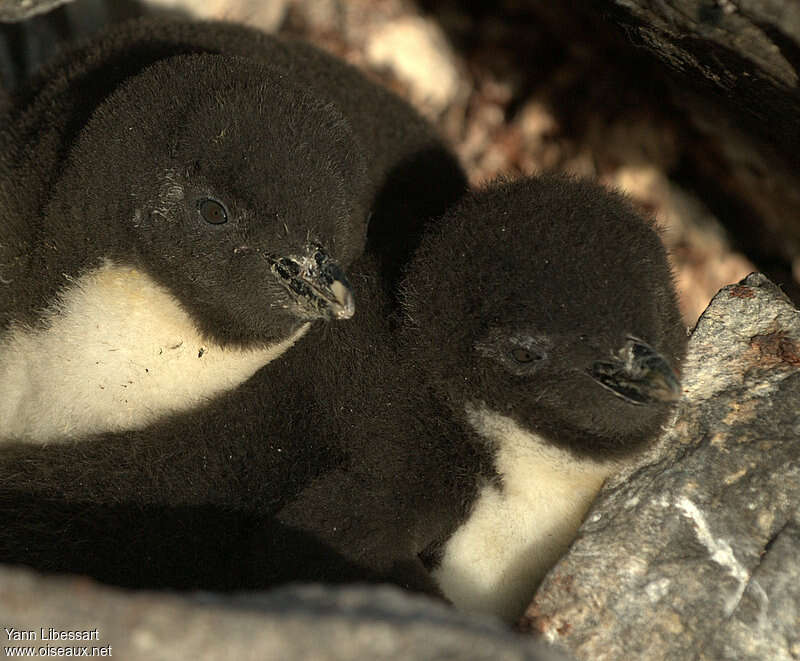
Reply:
x=316, y=282
x=640, y=375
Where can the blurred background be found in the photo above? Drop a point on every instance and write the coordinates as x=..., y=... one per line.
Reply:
x=520, y=86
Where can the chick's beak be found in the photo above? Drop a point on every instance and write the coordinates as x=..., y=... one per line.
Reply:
x=316, y=283
x=639, y=375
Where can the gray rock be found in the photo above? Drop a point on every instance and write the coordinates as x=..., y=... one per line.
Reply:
x=19, y=10
x=744, y=49
x=693, y=554
x=265, y=15
x=416, y=50
x=35, y=33
x=301, y=623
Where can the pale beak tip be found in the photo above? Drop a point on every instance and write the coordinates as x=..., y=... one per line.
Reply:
x=344, y=306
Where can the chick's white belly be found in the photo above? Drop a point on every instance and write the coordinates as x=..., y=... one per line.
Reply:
x=516, y=532
x=115, y=352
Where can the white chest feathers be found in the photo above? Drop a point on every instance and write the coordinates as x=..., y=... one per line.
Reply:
x=516, y=532
x=115, y=352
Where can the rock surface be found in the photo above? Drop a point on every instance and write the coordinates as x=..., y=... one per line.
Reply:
x=267, y=15
x=417, y=52
x=693, y=555
x=19, y=10
x=308, y=623
x=747, y=50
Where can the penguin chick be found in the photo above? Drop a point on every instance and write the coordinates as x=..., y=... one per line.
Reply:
x=453, y=453
x=540, y=350
x=544, y=315
x=196, y=224
x=406, y=175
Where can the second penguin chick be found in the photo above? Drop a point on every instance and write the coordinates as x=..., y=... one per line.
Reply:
x=540, y=348
x=564, y=365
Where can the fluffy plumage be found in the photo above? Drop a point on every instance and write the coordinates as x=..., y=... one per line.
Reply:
x=455, y=453
x=232, y=171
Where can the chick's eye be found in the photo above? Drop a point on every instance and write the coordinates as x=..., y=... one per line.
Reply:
x=212, y=211
x=523, y=355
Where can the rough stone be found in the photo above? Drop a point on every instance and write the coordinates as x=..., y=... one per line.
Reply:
x=745, y=49
x=304, y=623
x=266, y=16
x=19, y=10
x=417, y=52
x=693, y=553
x=26, y=44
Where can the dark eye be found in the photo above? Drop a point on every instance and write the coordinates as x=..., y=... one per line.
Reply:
x=523, y=355
x=212, y=211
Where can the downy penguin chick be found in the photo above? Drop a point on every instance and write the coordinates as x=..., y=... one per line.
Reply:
x=544, y=316
x=540, y=348
x=454, y=453
x=296, y=157
x=193, y=228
